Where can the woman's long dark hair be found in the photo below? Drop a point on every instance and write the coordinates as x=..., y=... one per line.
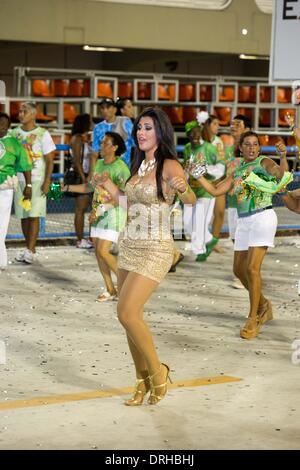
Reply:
x=165, y=144
x=81, y=124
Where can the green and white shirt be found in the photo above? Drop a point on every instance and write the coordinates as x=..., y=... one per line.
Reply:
x=13, y=158
x=210, y=153
x=249, y=204
x=115, y=217
x=37, y=143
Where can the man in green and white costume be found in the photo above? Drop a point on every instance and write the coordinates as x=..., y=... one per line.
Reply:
x=198, y=217
x=13, y=158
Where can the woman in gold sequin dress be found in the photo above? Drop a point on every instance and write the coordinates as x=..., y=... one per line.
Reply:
x=146, y=247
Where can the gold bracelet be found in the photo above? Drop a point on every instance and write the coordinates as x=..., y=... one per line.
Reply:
x=180, y=194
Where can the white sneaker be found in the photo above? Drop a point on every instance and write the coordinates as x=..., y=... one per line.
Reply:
x=28, y=257
x=236, y=284
x=20, y=256
x=84, y=243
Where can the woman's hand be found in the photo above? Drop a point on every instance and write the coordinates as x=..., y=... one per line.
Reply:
x=280, y=147
x=92, y=217
x=179, y=184
x=100, y=179
x=197, y=170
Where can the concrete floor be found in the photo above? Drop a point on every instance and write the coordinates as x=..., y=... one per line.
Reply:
x=59, y=342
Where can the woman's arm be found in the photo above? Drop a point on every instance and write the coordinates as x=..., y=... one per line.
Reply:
x=78, y=188
x=272, y=167
x=93, y=161
x=222, y=188
x=292, y=200
x=104, y=181
x=76, y=146
x=174, y=175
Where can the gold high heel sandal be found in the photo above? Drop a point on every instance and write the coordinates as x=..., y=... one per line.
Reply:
x=156, y=397
x=139, y=394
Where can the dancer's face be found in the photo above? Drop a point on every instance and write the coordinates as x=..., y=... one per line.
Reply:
x=26, y=114
x=4, y=126
x=214, y=127
x=195, y=136
x=237, y=128
x=128, y=109
x=250, y=148
x=108, y=112
x=107, y=148
x=146, y=135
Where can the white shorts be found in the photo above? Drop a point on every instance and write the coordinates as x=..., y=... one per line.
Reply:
x=105, y=234
x=256, y=230
x=232, y=215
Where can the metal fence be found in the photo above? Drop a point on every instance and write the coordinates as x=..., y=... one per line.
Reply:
x=59, y=222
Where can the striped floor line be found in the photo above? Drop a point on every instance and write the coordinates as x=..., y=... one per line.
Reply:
x=69, y=397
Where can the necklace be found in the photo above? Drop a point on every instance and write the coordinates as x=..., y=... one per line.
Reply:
x=146, y=168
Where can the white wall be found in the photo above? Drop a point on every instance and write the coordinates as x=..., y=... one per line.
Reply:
x=134, y=26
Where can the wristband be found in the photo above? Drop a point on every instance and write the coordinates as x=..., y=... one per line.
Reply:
x=184, y=192
x=29, y=185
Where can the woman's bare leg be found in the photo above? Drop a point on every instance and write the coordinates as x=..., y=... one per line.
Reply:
x=242, y=261
x=138, y=358
x=219, y=211
x=135, y=292
x=254, y=262
x=81, y=204
x=101, y=248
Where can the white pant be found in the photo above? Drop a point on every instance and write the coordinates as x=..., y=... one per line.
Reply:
x=196, y=222
x=6, y=199
x=232, y=214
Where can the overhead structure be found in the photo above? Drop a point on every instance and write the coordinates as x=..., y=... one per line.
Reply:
x=202, y=4
x=284, y=64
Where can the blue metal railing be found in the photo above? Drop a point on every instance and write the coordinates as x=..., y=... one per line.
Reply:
x=179, y=148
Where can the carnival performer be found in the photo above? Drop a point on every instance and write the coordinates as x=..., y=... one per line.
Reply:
x=14, y=158
x=197, y=218
x=40, y=147
x=238, y=126
x=254, y=181
x=210, y=130
x=107, y=218
x=146, y=247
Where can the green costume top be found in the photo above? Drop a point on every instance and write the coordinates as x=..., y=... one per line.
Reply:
x=115, y=217
x=210, y=153
x=254, y=186
x=13, y=158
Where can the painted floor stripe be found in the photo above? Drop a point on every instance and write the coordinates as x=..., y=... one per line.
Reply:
x=58, y=399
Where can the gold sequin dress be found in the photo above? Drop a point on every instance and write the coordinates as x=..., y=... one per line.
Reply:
x=146, y=246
